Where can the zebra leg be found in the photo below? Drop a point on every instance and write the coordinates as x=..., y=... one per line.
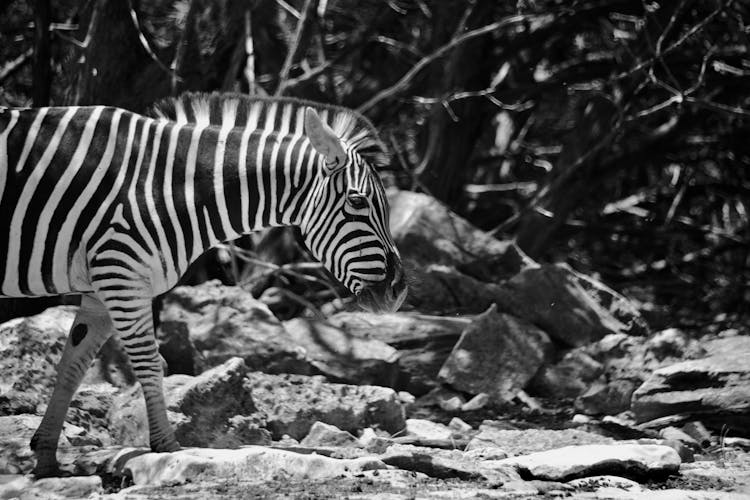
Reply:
x=135, y=327
x=91, y=328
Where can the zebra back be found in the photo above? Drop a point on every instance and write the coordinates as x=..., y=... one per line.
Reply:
x=282, y=114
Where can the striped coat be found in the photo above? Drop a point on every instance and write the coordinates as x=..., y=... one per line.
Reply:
x=115, y=206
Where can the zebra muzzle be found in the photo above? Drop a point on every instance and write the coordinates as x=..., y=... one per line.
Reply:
x=388, y=294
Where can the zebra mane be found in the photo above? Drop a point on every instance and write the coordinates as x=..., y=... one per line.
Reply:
x=276, y=113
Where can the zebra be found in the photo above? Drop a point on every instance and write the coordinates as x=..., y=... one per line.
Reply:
x=114, y=206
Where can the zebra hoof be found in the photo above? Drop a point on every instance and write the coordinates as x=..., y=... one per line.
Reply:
x=166, y=446
x=44, y=469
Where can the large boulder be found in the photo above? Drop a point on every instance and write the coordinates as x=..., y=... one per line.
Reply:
x=256, y=462
x=427, y=232
x=291, y=404
x=522, y=442
x=30, y=349
x=201, y=409
x=497, y=355
x=553, y=298
x=423, y=342
x=442, y=289
x=570, y=462
x=205, y=325
x=343, y=357
x=612, y=366
x=714, y=389
x=16, y=431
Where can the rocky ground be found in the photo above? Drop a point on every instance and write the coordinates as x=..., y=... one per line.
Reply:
x=502, y=378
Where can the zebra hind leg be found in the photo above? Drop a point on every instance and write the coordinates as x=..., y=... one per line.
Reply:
x=136, y=333
x=91, y=328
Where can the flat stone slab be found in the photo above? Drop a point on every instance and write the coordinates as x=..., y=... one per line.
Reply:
x=523, y=442
x=571, y=462
x=252, y=462
x=715, y=388
x=25, y=487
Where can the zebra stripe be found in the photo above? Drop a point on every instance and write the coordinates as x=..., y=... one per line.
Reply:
x=114, y=205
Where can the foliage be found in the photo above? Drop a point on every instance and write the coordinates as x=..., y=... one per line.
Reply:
x=608, y=133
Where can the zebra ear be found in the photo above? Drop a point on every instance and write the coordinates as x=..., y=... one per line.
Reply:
x=325, y=141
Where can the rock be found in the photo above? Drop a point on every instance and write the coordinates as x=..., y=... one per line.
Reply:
x=30, y=349
x=426, y=429
x=442, y=289
x=15, y=435
x=372, y=442
x=620, y=427
x=515, y=442
x=256, y=462
x=699, y=433
x=321, y=435
x=624, y=310
x=446, y=464
x=205, y=325
x=606, y=398
x=24, y=487
x=452, y=404
x=597, y=482
x=669, y=343
x=458, y=425
x=571, y=462
x=675, y=434
x=716, y=387
x=427, y=232
x=343, y=357
x=476, y=403
x=497, y=354
x=423, y=342
x=684, y=451
x=569, y=377
x=200, y=407
x=291, y=404
x=552, y=298
x=90, y=409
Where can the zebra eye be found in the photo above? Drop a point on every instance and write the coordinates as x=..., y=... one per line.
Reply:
x=357, y=201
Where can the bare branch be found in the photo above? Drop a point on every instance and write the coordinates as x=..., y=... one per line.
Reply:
x=405, y=80
x=284, y=74
x=678, y=43
x=144, y=42
x=12, y=66
x=250, y=51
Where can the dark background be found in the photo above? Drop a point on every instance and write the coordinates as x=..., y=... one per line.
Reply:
x=613, y=135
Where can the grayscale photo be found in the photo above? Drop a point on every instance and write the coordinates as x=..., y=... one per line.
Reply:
x=374, y=249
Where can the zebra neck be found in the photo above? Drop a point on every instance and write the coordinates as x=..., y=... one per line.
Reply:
x=247, y=180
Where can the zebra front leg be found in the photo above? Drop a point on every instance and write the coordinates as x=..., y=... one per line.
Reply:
x=91, y=328
x=135, y=327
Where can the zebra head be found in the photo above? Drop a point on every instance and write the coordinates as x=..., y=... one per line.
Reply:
x=346, y=225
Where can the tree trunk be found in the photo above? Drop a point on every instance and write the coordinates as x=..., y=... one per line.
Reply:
x=42, y=71
x=447, y=144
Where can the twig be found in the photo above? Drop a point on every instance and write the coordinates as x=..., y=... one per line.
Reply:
x=705, y=103
x=307, y=75
x=144, y=42
x=486, y=93
x=684, y=38
x=404, y=81
x=284, y=74
x=288, y=8
x=12, y=66
x=250, y=51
